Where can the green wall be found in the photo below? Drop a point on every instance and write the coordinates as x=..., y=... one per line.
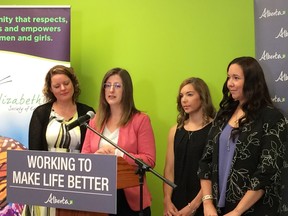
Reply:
x=160, y=42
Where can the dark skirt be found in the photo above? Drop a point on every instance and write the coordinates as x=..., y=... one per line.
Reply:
x=123, y=208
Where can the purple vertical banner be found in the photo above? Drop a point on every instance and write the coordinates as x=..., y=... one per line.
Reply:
x=271, y=32
x=32, y=40
x=271, y=38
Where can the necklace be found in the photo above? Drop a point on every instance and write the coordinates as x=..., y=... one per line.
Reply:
x=190, y=134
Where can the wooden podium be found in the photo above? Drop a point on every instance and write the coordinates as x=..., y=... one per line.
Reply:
x=126, y=177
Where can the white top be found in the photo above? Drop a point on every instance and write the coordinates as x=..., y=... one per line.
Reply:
x=113, y=137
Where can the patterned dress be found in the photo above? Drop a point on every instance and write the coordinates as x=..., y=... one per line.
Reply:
x=256, y=164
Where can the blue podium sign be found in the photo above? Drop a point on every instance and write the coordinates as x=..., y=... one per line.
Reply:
x=85, y=182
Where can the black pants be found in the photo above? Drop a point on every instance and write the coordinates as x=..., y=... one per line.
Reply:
x=123, y=208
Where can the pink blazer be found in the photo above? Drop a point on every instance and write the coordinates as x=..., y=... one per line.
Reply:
x=137, y=138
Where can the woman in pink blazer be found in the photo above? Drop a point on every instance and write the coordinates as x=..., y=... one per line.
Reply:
x=118, y=119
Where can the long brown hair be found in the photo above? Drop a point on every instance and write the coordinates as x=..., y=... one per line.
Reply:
x=127, y=101
x=207, y=106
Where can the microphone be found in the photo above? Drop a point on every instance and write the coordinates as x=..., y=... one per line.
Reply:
x=81, y=120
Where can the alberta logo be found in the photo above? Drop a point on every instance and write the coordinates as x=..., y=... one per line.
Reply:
x=52, y=199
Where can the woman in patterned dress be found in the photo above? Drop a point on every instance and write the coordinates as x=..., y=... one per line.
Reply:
x=47, y=128
x=241, y=165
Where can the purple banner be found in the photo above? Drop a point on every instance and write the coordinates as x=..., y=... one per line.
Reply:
x=36, y=31
x=271, y=31
x=32, y=40
x=271, y=38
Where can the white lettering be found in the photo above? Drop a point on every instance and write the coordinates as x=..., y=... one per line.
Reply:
x=53, y=180
x=282, y=34
x=282, y=77
x=49, y=162
x=54, y=200
x=267, y=56
x=86, y=164
x=277, y=99
x=28, y=178
x=267, y=13
x=88, y=182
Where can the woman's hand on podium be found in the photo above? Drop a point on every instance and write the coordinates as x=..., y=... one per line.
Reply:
x=106, y=149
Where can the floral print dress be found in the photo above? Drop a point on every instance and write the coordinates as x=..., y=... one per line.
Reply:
x=256, y=164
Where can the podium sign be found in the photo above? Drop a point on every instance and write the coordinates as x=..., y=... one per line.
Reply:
x=74, y=181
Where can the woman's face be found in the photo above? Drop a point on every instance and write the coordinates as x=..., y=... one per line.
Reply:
x=190, y=99
x=62, y=87
x=235, y=82
x=113, y=90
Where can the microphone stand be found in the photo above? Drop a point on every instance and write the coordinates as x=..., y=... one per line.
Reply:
x=142, y=167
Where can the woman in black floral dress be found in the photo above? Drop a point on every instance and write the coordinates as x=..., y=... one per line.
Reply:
x=241, y=165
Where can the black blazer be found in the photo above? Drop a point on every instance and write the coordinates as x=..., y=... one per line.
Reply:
x=256, y=164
